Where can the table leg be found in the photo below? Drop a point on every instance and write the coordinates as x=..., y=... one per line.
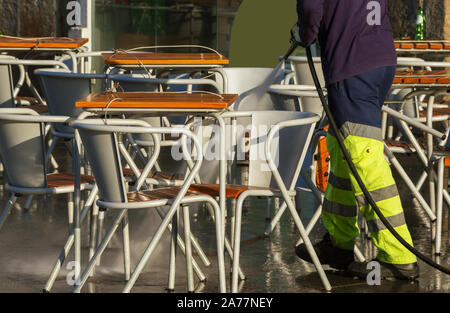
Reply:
x=76, y=203
x=222, y=172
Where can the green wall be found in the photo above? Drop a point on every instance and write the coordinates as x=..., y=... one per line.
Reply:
x=260, y=32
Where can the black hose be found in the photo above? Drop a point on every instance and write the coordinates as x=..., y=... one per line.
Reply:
x=347, y=157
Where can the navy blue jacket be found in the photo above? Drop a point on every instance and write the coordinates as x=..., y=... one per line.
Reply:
x=354, y=35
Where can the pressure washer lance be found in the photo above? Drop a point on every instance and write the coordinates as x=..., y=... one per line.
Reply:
x=340, y=139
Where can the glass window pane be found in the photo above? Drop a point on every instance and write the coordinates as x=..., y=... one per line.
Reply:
x=128, y=24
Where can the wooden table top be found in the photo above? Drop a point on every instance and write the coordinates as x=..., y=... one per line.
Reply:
x=157, y=100
x=422, y=77
x=44, y=42
x=432, y=45
x=150, y=58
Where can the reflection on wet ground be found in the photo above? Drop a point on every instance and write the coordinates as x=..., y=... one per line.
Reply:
x=30, y=242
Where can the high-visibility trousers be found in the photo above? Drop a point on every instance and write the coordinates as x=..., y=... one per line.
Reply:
x=365, y=94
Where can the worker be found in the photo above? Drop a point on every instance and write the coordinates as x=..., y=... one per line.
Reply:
x=359, y=63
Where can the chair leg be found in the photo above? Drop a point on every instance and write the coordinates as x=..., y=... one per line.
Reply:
x=220, y=250
x=69, y=243
x=54, y=163
x=93, y=232
x=49, y=156
x=230, y=252
x=150, y=248
x=232, y=220
x=308, y=244
x=173, y=253
x=198, y=249
x=274, y=221
x=200, y=275
x=101, y=219
x=359, y=255
x=304, y=236
x=432, y=193
x=57, y=267
x=7, y=209
x=277, y=204
x=439, y=205
x=315, y=218
x=70, y=210
x=227, y=244
x=126, y=247
x=101, y=248
x=28, y=202
x=236, y=245
x=187, y=240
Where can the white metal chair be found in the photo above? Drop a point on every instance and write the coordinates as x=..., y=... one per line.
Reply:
x=61, y=89
x=101, y=146
x=413, y=110
x=288, y=134
x=428, y=155
x=24, y=77
x=9, y=89
x=22, y=151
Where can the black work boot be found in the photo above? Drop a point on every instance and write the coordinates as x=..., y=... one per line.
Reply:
x=387, y=271
x=327, y=254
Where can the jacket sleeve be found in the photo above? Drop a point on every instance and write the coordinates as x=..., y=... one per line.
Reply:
x=310, y=14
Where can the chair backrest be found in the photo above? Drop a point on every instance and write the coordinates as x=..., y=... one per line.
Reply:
x=303, y=77
x=135, y=82
x=171, y=83
x=101, y=146
x=104, y=157
x=142, y=83
x=139, y=83
x=252, y=84
x=289, y=147
x=6, y=85
x=22, y=151
x=302, y=73
x=62, y=88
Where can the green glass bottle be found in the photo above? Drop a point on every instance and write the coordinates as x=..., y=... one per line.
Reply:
x=1, y=32
x=420, y=24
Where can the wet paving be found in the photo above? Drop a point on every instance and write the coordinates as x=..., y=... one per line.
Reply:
x=30, y=242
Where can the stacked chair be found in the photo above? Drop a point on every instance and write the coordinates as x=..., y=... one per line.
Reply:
x=22, y=150
x=101, y=145
x=272, y=174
